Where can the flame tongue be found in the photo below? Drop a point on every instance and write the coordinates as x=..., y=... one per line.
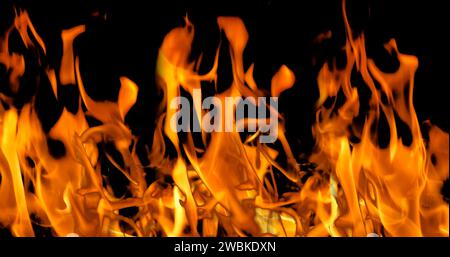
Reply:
x=226, y=181
x=382, y=188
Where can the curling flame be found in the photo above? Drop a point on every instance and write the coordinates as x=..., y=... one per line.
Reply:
x=224, y=183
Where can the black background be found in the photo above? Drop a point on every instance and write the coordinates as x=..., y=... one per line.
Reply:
x=280, y=32
x=165, y=246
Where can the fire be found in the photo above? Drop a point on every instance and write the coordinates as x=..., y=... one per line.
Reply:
x=224, y=183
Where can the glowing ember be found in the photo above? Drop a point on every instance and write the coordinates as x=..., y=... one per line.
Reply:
x=226, y=182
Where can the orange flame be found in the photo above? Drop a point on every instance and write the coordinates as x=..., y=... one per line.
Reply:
x=226, y=182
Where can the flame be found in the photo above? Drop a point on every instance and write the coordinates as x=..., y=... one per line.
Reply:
x=223, y=182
